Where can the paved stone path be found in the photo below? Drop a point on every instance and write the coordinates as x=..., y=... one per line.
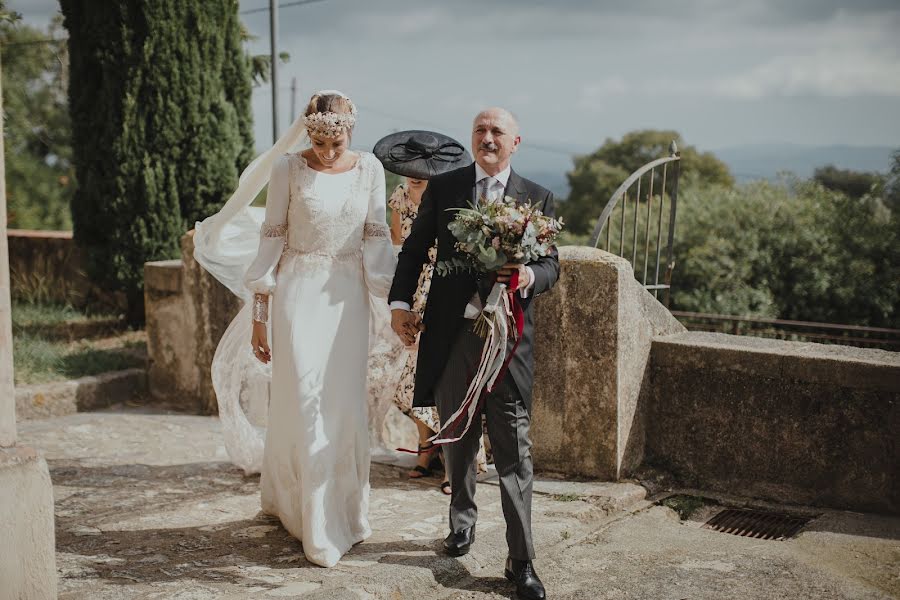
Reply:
x=147, y=506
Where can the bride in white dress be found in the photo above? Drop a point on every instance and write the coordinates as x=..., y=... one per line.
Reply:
x=324, y=253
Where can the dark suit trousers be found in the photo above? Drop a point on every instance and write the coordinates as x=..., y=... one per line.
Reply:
x=508, y=422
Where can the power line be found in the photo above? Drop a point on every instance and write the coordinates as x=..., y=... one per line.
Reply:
x=285, y=5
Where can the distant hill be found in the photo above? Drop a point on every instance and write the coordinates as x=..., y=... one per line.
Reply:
x=749, y=162
x=548, y=165
x=765, y=161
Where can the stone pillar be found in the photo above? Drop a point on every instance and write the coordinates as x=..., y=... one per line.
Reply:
x=212, y=307
x=27, y=552
x=187, y=312
x=592, y=345
x=171, y=342
x=27, y=549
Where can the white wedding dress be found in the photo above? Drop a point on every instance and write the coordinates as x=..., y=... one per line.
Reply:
x=323, y=252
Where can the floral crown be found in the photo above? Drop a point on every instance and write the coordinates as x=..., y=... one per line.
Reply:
x=330, y=124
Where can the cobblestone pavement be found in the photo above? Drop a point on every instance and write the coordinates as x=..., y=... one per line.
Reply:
x=148, y=506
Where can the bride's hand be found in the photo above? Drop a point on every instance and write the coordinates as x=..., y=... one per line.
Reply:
x=407, y=325
x=260, y=343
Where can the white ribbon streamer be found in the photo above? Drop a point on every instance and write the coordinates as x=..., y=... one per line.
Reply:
x=493, y=356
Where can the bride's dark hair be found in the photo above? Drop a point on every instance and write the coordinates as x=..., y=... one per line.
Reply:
x=328, y=103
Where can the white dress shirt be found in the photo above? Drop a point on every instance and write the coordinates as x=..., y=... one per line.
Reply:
x=495, y=194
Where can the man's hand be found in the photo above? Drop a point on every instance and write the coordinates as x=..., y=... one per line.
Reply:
x=406, y=324
x=505, y=273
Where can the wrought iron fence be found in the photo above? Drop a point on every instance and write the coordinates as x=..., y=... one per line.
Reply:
x=648, y=188
x=802, y=331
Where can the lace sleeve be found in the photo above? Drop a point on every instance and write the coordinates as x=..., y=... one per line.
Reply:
x=273, y=231
x=375, y=230
x=378, y=253
x=260, y=277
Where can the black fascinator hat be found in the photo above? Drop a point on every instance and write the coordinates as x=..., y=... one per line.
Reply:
x=420, y=154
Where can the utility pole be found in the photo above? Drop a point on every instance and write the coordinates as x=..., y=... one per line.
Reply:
x=273, y=37
x=293, y=98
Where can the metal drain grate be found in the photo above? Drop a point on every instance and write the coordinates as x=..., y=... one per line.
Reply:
x=756, y=524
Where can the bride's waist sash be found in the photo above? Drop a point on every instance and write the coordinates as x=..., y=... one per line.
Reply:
x=294, y=259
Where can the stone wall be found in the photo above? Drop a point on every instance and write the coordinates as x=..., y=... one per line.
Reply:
x=620, y=385
x=187, y=312
x=47, y=266
x=786, y=421
x=47, y=262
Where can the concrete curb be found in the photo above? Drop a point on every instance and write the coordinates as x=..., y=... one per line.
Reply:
x=610, y=496
x=86, y=393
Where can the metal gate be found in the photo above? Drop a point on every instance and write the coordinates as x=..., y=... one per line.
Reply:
x=650, y=194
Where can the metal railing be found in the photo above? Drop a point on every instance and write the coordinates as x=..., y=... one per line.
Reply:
x=784, y=329
x=651, y=194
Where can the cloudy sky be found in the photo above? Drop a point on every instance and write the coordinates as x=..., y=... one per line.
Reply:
x=723, y=73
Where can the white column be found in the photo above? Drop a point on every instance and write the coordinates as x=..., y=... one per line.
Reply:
x=27, y=537
x=7, y=389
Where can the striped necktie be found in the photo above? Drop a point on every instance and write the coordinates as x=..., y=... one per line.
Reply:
x=487, y=186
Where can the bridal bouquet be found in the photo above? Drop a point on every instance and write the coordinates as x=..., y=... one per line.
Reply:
x=489, y=236
x=492, y=234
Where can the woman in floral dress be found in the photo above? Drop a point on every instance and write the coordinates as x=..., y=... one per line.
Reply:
x=404, y=204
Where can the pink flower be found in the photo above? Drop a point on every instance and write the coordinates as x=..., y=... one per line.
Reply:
x=496, y=243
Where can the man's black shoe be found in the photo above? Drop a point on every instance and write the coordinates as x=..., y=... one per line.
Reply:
x=528, y=584
x=459, y=542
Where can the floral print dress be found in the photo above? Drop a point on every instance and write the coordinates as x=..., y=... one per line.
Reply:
x=402, y=204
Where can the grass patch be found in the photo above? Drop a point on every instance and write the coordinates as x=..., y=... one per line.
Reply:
x=25, y=314
x=29, y=314
x=566, y=497
x=39, y=357
x=684, y=505
x=37, y=360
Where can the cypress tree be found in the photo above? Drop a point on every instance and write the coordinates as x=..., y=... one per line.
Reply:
x=159, y=97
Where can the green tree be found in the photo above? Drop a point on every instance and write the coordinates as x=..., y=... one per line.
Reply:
x=595, y=177
x=792, y=250
x=39, y=170
x=854, y=184
x=160, y=107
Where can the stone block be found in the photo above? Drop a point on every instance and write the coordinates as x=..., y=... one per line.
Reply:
x=592, y=341
x=187, y=312
x=163, y=277
x=86, y=393
x=784, y=421
x=171, y=340
x=211, y=307
x=27, y=552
